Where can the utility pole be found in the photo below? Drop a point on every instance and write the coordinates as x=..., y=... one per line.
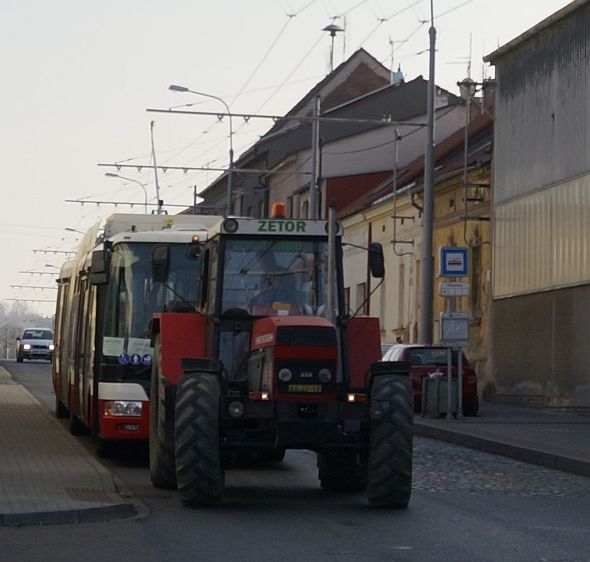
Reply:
x=315, y=161
x=159, y=208
x=425, y=332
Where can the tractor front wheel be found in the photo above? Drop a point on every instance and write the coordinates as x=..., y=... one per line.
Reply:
x=199, y=471
x=391, y=443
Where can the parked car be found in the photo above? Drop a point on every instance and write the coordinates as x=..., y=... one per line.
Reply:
x=429, y=359
x=35, y=343
x=385, y=347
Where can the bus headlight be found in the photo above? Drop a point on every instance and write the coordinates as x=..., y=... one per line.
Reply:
x=26, y=346
x=122, y=408
x=51, y=347
x=325, y=375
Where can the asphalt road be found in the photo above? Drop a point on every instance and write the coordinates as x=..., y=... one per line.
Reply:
x=466, y=505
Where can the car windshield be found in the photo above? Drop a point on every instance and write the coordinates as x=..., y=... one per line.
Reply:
x=431, y=356
x=38, y=335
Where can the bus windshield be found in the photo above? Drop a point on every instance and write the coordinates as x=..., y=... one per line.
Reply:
x=133, y=297
x=273, y=277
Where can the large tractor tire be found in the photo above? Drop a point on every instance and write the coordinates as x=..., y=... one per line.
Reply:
x=162, y=461
x=199, y=472
x=391, y=444
x=343, y=471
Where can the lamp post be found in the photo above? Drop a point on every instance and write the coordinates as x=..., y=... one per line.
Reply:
x=109, y=175
x=230, y=173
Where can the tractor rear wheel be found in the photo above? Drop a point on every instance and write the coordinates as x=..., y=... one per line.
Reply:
x=342, y=471
x=391, y=443
x=162, y=462
x=199, y=472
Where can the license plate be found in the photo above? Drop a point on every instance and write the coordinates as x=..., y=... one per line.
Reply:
x=305, y=388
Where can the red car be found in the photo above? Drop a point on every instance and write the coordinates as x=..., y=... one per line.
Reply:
x=428, y=359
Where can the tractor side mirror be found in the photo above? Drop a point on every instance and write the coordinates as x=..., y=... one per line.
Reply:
x=160, y=264
x=376, y=260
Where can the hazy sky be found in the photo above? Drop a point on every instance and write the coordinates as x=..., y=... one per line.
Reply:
x=79, y=76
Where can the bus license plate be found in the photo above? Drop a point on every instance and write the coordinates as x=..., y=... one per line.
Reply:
x=305, y=388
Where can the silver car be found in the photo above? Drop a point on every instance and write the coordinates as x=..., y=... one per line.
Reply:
x=35, y=343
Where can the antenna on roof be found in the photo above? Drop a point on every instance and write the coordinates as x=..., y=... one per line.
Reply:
x=333, y=29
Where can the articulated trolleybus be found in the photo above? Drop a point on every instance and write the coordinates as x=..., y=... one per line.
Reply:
x=106, y=299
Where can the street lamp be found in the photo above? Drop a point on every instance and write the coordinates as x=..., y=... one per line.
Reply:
x=109, y=175
x=230, y=179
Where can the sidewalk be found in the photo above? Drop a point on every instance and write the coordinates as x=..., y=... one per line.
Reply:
x=548, y=437
x=46, y=476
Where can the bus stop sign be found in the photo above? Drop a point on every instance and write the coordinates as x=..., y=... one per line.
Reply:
x=454, y=261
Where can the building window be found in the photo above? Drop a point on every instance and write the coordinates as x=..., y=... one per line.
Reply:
x=382, y=306
x=401, y=295
x=305, y=210
x=289, y=209
x=475, y=282
x=347, y=300
x=361, y=291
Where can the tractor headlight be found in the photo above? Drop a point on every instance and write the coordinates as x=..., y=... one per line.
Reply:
x=285, y=375
x=325, y=375
x=236, y=409
x=122, y=408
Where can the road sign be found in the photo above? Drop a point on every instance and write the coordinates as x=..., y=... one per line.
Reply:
x=455, y=329
x=454, y=289
x=454, y=261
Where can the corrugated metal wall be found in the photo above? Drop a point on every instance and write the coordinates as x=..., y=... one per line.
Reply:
x=541, y=263
x=542, y=118
x=542, y=240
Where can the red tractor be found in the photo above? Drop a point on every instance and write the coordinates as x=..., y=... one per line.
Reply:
x=270, y=361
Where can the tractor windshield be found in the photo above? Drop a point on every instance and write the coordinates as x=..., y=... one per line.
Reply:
x=275, y=277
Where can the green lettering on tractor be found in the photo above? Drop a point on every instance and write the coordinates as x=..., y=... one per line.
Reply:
x=281, y=226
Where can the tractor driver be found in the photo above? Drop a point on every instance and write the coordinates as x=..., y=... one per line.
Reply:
x=277, y=284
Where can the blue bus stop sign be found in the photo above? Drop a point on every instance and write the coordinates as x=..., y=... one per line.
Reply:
x=454, y=261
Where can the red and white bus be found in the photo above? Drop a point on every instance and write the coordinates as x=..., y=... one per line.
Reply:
x=106, y=298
